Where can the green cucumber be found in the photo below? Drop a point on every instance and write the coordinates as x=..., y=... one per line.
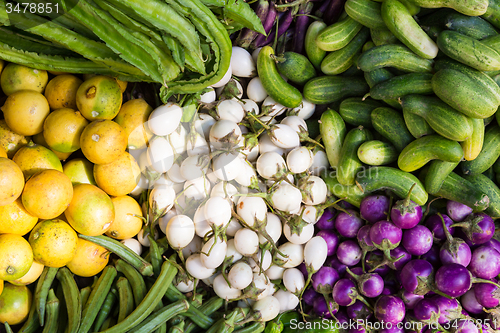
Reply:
x=396, y=56
x=351, y=194
x=333, y=131
x=488, y=187
x=383, y=36
x=332, y=88
x=468, y=51
x=472, y=26
x=401, y=23
x=357, y=111
x=459, y=189
x=339, y=61
x=492, y=13
x=417, y=125
x=366, y=12
x=437, y=172
x=471, y=8
x=281, y=91
x=473, y=145
x=339, y=34
x=380, y=75
x=376, y=152
x=391, y=125
x=422, y=150
x=473, y=95
x=401, y=85
x=349, y=163
x=493, y=42
x=441, y=117
x=296, y=67
x=488, y=155
x=313, y=52
x=394, y=180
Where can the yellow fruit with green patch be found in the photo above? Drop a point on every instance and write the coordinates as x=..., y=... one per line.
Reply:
x=33, y=158
x=17, y=77
x=128, y=218
x=79, y=171
x=61, y=91
x=99, y=97
x=119, y=177
x=16, y=257
x=133, y=117
x=62, y=130
x=15, y=304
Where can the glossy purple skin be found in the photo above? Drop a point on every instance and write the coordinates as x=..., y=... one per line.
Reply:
x=485, y=262
x=407, y=219
x=487, y=294
x=453, y=279
x=331, y=239
x=348, y=225
x=363, y=237
x=344, y=292
x=462, y=256
x=413, y=269
x=425, y=309
x=432, y=256
x=466, y=326
x=309, y=296
x=487, y=226
x=470, y=303
x=349, y=252
x=410, y=299
x=390, y=309
x=324, y=278
x=403, y=255
x=457, y=211
x=493, y=243
x=374, y=208
x=321, y=308
x=358, y=311
x=327, y=220
x=417, y=240
x=335, y=263
x=449, y=309
x=384, y=231
x=302, y=267
x=376, y=257
x=435, y=225
x=371, y=285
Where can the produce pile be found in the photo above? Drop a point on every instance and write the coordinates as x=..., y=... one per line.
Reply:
x=221, y=166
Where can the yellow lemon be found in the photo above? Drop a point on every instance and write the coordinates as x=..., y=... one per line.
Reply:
x=128, y=220
x=133, y=117
x=119, y=177
x=25, y=111
x=11, y=181
x=33, y=158
x=16, y=257
x=99, y=98
x=80, y=171
x=9, y=140
x=103, y=141
x=61, y=91
x=33, y=274
x=39, y=139
x=17, y=77
x=89, y=260
x=15, y=219
x=53, y=242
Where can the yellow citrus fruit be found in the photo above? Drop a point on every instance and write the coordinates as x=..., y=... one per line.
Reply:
x=89, y=260
x=119, y=177
x=53, y=242
x=25, y=111
x=39, y=139
x=99, y=97
x=9, y=140
x=33, y=158
x=33, y=274
x=133, y=117
x=80, y=171
x=16, y=77
x=1, y=286
x=3, y=152
x=62, y=130
x=15, y=304
x=15, y=219
x=103, y=141
x=11, y=181
x=91, y=211
x=122, y=84
x=47, y=194
x=61, y=91
x=16, y=257
x=127, y=221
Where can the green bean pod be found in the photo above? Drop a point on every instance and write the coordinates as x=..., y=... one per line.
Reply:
x=155, y=319
x=72, y=298
x=32, y=324
x=52, y=313
x=106, y=309
x=42, y=290
x=125, y=297
x=134, y=278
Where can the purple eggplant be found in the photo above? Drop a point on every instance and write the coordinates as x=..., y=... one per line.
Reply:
x=332, y=240
x=485, y=262
x=301, y=24
x=417, y=240
x=323, y=309
x=494, y=243
x=390, y=309
x=427, y=311
x=364, y=242
x=435, y=225
x=385, y=236
x=309, y=296
x=333, y=11
x=370, y=285
x=449, y=308
x=268, y=24
x=488, y=295
x=345, y=293
x=457, y=211
x=469, y=302
x=348, y=223
x=335, y=263
x=359, y=311
x=417, y=277
x=432, y=255
x=454, y=250
x=374, y=208
x=405, y=213
x=327, y=220
x=284, y=21
x=324, y=279
x=410, y=299
x=349, y=252
x=478, y=227
x=465, y=326
x=247, y=36
x=455, y=280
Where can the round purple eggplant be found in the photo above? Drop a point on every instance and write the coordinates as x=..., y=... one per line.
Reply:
x=488, y=295
x=309, y=296
x=469, y=302
x=322, y=309
x=416, y=276
x=358, y=311
x=324, y=279
x=454, y=249
x=389, y=309
x=410, y=299
x=331, y=239
x=385, y=236
x=435, y=225
x=485, y=262
x=348, y=223
x=335, y=263
x=457, y=211
x=405, y=213
x=478, y=227
x=449, y=308
x=344, y=292
x=370, y=285
x=349, y=252
x=427, y=311
x=374, y=207
x=327, y=220
x=417, y=240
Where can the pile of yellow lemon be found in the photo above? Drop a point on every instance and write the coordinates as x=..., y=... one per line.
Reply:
x=64, y=170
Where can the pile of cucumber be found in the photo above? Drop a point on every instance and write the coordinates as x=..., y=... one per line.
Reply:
x=412, y=94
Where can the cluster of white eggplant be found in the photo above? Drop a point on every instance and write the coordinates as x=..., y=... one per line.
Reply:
x=224, y=192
